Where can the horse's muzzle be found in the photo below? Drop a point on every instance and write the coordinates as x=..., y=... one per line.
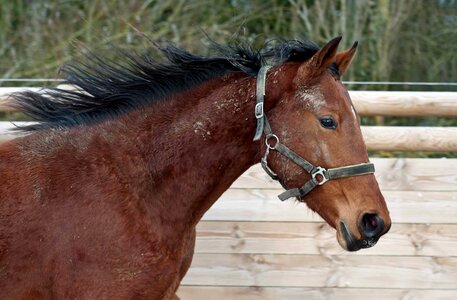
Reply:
x=371, y=227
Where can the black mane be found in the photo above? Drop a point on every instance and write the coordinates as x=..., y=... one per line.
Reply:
x=108, y=88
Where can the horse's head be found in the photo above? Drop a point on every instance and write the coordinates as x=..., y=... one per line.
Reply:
x=315, y=119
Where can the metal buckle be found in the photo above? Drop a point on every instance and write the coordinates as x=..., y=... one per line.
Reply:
x=267, y=139
x=258, y=110
x=320, y=171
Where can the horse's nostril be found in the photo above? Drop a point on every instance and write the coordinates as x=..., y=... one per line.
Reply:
x=371, y=225
x=370, y=222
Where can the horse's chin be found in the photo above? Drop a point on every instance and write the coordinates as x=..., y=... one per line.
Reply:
x=347, y=240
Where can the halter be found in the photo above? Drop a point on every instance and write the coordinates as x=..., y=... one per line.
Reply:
x=319, y=175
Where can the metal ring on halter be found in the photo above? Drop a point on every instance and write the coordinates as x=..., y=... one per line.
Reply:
x=268, y=137
x=320, y=171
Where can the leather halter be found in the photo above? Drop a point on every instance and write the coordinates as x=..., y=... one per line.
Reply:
x=319, y=175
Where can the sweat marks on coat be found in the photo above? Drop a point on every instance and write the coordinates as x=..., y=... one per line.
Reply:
x=312, y=98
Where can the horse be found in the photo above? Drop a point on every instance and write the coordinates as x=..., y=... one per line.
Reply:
x=101, y=196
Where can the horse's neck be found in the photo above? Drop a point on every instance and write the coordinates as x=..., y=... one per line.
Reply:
x=196, y=145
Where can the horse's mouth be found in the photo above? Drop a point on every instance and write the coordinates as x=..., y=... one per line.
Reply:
x=351, y=243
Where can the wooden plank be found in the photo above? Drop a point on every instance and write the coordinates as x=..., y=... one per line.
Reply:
x=263, y=205
x=6, y=91
x=406, y=138
x=417, y=174
x=353, y=271
x=405, y=103
x=6, y=132
x=277, y=293
x=319, y=238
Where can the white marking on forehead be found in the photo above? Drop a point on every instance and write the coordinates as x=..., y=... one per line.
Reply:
x=312, y=98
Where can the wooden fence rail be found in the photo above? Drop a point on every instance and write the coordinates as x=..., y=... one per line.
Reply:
x=406, y=138
x=372, y=103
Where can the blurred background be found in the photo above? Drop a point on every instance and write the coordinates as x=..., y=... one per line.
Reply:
x=408, y=40
x=399, y=41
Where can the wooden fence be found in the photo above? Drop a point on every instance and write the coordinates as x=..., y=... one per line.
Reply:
x=252, y=246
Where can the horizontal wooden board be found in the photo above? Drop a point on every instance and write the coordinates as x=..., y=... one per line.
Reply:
x=391, y=103
x=263, y=205
x=405, y=174
x=323, y=271
x=6, y=91
x=407, y=138
x=6, y=132
x=319, y=238
x=278, y=293
x=389, y=138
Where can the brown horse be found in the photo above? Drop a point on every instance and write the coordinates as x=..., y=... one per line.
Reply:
x=100, y=200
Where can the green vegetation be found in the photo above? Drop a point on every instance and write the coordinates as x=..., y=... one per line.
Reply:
x=407, y=40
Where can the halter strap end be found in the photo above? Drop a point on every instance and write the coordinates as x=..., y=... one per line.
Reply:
x=289, y=194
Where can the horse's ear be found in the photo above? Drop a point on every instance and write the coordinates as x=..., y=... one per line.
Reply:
x=319, y=62
x=325, y=56
x=343, y=59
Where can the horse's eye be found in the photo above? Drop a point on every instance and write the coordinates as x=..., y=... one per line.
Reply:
x=328, y=123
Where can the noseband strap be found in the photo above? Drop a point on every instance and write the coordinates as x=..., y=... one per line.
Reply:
x=319, y=175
